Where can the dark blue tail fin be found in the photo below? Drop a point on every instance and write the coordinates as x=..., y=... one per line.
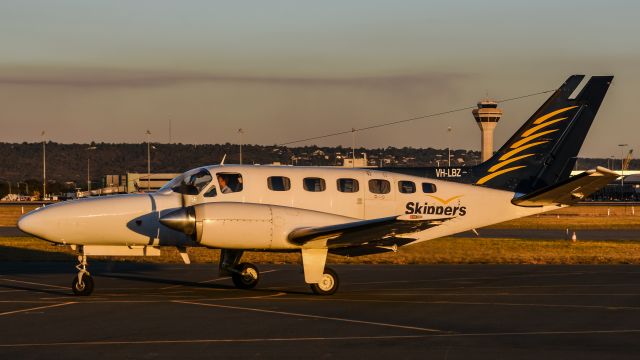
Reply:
x=543, y=151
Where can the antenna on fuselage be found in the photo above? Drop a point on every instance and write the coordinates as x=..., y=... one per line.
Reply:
x=223, y=157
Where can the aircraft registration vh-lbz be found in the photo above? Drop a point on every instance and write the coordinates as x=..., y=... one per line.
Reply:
x=344, y=211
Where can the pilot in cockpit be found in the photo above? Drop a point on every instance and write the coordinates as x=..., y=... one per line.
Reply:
x=224, y=188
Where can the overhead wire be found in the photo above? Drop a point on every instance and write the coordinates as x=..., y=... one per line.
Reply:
x=353, y=130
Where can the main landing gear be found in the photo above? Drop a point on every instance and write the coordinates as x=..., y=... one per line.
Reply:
x=321, y=279
x=328, y=284
x=82, y=284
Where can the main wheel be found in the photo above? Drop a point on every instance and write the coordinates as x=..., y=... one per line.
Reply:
x=84, y=287
x=246, y=277
x=328, y=285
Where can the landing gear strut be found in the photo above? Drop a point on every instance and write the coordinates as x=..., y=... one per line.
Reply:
x=82, y=284
x=244, y=275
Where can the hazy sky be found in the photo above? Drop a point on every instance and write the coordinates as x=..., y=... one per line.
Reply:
x=283, y=70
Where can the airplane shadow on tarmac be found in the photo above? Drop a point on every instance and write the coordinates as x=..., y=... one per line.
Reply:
x=191, y=284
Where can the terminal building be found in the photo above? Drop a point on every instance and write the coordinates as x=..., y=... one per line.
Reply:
x=129, y=183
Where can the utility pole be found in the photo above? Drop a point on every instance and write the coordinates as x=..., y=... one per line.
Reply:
x=148, y=161
x=44, y=168
x=169, y=131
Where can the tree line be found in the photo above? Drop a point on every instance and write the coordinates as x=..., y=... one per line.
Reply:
x=66, y=164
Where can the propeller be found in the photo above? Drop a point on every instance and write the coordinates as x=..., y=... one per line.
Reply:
x=183, y=220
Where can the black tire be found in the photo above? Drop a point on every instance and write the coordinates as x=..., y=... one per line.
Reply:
x=329, y=283
x=82, y=289
x=246, y=276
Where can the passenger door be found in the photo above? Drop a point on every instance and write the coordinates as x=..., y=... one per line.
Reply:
x=349, y=199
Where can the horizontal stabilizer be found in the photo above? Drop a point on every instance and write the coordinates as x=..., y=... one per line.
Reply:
x=569, y=191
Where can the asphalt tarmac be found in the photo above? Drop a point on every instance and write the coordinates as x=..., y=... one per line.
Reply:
x=156, y=311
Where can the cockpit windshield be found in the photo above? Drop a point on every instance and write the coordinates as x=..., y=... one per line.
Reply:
x=192, y=182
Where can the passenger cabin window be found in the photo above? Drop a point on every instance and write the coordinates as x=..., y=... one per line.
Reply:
x=406, y=187
x=428, y=188
x=348, y=185
x=278, y=183
x=229, y=182
x=314, y=184
x=378, y=186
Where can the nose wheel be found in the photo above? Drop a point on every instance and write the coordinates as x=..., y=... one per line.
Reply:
x=82, y=284
x=245, y=276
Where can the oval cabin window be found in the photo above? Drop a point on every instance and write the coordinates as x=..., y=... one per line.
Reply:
x=278, y=183
x=348, y=185
x=406, y=187
x=379, y=186
x=314, y=184
x=428, y=188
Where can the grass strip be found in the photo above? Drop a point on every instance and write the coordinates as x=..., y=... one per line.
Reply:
x=448, y=250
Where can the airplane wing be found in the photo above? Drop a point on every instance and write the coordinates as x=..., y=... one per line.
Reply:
x=569, y=191
x=368, y=236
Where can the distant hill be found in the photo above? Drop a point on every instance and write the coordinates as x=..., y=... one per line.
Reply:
x=67, y=163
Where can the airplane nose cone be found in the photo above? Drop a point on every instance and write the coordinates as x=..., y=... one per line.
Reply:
x=33, y=223
x=183, y=220
x=112, y=220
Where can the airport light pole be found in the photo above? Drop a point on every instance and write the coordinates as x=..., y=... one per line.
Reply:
x=449, y=147
x=353, y=147
x=241, y=132
x=622, y=146
x=89, y=170
x=148, y=161
x=44, y=168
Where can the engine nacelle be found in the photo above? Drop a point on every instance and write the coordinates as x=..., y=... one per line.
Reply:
x=254, y=226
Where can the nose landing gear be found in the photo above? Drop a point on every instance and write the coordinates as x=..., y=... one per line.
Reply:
x=82, y=284
x=244, y=275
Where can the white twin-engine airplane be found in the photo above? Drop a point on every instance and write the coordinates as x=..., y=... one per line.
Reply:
x=321, y=210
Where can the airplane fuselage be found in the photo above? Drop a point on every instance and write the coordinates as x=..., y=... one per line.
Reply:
x=303, y=196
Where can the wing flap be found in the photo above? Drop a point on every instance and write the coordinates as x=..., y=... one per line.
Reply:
x=569, y=191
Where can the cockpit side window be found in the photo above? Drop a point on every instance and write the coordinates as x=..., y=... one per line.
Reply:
x=229, y=182
x=212, y=192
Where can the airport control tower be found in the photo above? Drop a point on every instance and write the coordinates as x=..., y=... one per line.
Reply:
x=487, y=116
